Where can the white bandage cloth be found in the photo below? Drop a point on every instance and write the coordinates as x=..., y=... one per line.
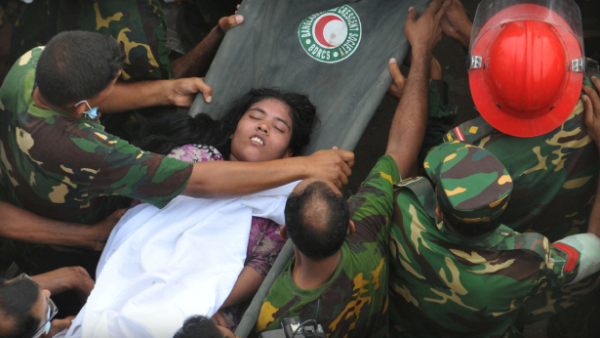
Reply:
x=162, y=265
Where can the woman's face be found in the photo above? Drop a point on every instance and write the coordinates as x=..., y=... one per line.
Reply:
x=263, y=133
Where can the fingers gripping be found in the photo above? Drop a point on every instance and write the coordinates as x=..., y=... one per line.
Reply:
x=396, y=74
x=206, y=90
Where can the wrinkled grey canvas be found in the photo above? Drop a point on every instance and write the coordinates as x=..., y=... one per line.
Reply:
x=265, y=51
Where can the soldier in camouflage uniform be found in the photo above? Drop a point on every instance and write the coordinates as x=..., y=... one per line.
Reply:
x=92, y=166
x=60, y=163
x=456, y=271
x=555, y=175
x=138, y=25
x=341, y=269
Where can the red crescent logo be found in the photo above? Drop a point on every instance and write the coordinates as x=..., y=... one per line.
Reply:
x=320, y=27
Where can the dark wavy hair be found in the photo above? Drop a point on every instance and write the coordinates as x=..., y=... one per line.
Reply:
x=178, y=129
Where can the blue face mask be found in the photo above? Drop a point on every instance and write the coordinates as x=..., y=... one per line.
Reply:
x=48, y=323
x=92, y=112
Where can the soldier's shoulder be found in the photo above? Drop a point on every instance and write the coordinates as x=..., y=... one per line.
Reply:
x=530, y=243
x=422, y=189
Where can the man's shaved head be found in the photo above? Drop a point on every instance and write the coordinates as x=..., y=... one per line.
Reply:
x=317, y=218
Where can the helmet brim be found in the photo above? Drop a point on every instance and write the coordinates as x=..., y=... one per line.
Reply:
x=541, y=123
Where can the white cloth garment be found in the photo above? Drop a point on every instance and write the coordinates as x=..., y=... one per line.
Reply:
x=160, y=266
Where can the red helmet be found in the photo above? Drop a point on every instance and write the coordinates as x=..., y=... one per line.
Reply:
x=526, y=74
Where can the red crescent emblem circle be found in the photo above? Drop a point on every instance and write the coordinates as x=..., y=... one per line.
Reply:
x=320, y=27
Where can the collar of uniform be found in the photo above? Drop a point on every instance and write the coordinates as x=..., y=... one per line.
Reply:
x=311, y=293
x=30, y=86
x=490, y=240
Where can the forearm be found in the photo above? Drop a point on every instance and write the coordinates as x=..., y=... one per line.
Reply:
x=220, y=178
x=198, y=60
x=22, y=225
x=136, y=95
x=245, y=287
x=410, y=120
x=464, y=35
x=65, y=279
x=594, y=224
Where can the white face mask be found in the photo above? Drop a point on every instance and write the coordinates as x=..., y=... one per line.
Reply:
x=92, y=112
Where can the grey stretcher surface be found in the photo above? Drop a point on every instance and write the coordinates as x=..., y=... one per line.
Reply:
x=265, y=51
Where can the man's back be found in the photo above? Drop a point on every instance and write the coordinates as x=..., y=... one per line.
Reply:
x=444, y=284
x=353, y=303
x=64, y=167
x=554, y=175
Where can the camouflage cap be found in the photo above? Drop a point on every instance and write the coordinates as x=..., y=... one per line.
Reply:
x=471, y=182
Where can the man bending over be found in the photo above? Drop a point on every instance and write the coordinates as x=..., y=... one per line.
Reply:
x=339, y=275
x=58, y=162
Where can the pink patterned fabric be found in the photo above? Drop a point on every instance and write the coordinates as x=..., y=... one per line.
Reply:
x=265, y=241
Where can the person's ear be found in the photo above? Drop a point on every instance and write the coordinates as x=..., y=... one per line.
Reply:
x=288, y=153
x=82, y=107
x=283, y=232
x=47, y=292
x=351, y=229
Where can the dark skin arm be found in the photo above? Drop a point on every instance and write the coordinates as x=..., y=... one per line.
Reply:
x=245, y=287
x=65, y=279
x=227, y=178
x=457, y=25
x=180, y=92
x=408, y=126
x=591, y=101
x=59, y=325
x=136, y=95
x=22, y=225
x=198, y=60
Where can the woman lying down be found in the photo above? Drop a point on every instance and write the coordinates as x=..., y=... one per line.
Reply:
x=198, y=256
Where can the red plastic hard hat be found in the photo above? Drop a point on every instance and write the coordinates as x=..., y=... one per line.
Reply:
x=525, y=86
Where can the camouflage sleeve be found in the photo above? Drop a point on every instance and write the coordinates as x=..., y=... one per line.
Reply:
x=568, y=261
x=120, y=168
x=574, y=262
x=139, y=26
x=373, y=204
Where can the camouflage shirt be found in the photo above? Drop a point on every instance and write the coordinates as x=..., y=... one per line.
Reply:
x=446, y=285
x=138, y=25
x=353, y=303
x=63, y=167
x=554, y=175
